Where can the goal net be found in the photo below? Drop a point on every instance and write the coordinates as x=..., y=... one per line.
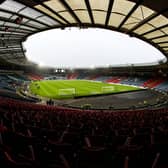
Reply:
x=66, y=92
x=107, y=89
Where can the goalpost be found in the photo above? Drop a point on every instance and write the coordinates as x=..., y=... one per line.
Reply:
x=67, y=92
x=107, y=89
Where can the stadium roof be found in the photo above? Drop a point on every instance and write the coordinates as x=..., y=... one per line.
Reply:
x=144, y=19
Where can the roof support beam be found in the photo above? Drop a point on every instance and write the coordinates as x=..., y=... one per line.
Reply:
x=10, y=46
x=158, y=28
x=14, y=57
x=7, y=40
x=6, y=43
x=5, y=35
x=7, y=20
x=9, y=49
x=147, y=20
x=45, y=6
x=158, y=37
x=20, y=15
x=17, y=50
x=110, y=6
x=45, y=14
x=22, y=30
x=89, y=11
x=163, y=42
x=3, y=29
x=130, y=13
x=71, y=11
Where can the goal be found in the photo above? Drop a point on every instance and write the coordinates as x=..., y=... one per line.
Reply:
x=66, y=92
x=107, y=89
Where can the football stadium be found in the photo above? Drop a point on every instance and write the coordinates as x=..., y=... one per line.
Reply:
x=75, y=88
x=99, y=117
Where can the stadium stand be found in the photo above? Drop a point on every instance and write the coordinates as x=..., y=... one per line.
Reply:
x=11, y=83
x=114, y=80
x=137, y=81
x=100, y=78
x=35, y=77
x=151, y=83
x=94, y=77
x=157, y=83
x=57, y=136
x=163, y=86
x=72, y=76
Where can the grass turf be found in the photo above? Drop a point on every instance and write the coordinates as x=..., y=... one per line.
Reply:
x=62, y=89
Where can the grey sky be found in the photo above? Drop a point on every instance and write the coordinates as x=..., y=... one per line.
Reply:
x=73, y=47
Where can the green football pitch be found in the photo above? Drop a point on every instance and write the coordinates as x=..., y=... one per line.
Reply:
x=62, y=89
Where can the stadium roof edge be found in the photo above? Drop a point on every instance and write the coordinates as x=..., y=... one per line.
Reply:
x=144, y=19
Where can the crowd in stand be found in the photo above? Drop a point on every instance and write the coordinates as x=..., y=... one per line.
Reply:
x=47, y=136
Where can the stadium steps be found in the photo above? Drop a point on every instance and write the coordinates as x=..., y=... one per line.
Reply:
x=81, y=76
x=101, y=78
x=72, y=76
x=94, y=77
x=35, y=77
x=114, y=80
x=151, y=83
x=163, y=86
x=133, y=81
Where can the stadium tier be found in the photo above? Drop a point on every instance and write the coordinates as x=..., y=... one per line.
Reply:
x=37, y=135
